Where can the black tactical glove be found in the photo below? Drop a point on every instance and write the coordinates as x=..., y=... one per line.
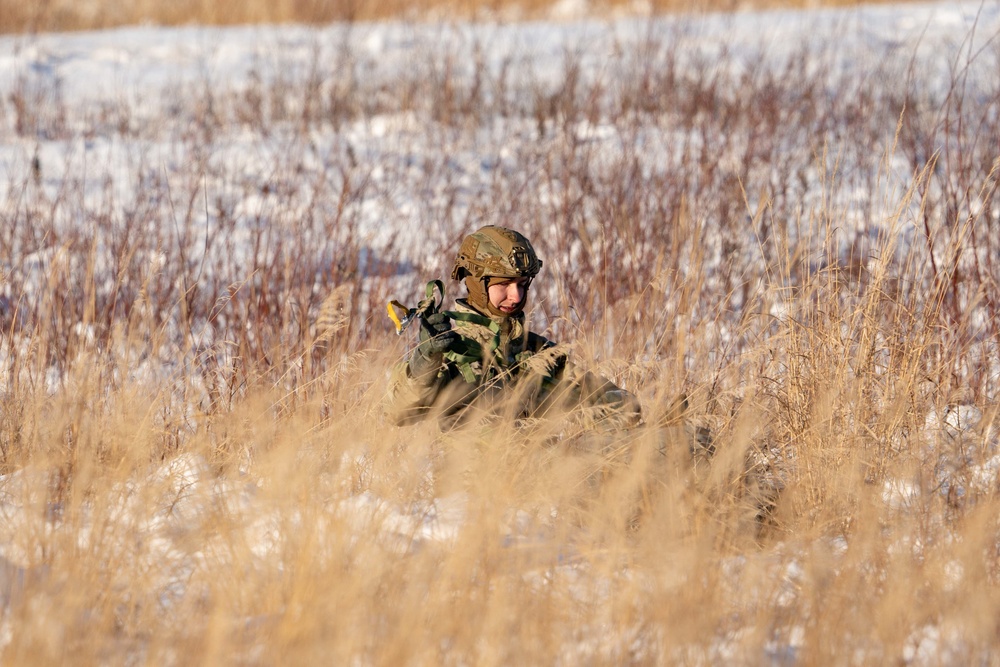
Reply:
x=436, y=337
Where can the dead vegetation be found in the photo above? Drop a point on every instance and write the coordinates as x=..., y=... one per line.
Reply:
x=194, y=462
x=66, y=15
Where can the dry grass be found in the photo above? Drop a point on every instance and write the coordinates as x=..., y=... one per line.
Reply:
x=66, y=15
x=195, y=464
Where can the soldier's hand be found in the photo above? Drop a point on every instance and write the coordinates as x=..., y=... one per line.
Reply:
x=436, y=337
x=436, y=334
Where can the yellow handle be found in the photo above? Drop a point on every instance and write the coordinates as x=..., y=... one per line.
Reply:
x=395, y=308
x=428, y=305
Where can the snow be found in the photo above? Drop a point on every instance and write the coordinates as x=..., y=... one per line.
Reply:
x=144, y=69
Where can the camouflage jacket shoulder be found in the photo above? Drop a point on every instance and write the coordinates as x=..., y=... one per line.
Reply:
x=506, y=348
x=490, y=358
x=500, y=365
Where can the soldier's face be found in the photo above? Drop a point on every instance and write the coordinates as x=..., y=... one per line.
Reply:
x=506, y=296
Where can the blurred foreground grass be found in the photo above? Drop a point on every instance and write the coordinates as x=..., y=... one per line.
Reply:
x=69, y=15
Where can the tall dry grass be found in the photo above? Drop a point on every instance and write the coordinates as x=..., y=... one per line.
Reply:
x=196, y=468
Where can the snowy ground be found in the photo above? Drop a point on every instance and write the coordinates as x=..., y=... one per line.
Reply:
x=424, y=188
x=136, y=65
x=144, y=78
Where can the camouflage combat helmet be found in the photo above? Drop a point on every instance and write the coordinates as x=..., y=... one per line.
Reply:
x=494, y=252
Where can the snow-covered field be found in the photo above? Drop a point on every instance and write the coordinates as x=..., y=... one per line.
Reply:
x=791, y=215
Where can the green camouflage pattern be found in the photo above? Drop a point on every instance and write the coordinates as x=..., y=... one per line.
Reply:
x=516, y=373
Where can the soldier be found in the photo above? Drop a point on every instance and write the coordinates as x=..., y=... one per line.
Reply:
x=482, y=357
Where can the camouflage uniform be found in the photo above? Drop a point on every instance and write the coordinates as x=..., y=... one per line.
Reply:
x=492, y=362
